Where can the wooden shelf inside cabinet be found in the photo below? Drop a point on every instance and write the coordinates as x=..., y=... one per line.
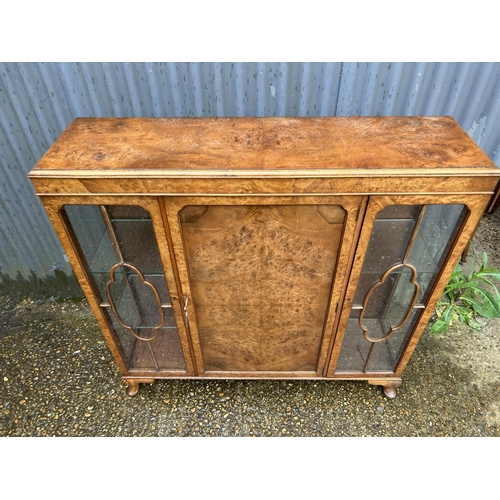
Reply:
x=257, y=248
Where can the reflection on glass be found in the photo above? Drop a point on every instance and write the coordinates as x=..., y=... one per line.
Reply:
x=405, y=239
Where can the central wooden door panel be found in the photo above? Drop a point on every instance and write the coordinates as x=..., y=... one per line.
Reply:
x=260, y=279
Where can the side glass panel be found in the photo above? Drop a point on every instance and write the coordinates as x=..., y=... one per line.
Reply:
x=408, y=246
x=261, y=278
x=121, y=257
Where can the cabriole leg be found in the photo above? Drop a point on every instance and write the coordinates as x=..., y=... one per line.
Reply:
x=388, y=385
x=133, y=384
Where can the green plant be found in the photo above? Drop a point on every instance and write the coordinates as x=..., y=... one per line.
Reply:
x=468, y=296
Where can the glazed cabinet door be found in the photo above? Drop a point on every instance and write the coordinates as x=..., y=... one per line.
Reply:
x=407, y=250
x=261, y=278
x=119, y=253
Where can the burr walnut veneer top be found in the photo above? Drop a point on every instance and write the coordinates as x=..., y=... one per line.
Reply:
x=241, y=147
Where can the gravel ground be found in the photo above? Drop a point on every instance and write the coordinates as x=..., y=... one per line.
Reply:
x=57, y=378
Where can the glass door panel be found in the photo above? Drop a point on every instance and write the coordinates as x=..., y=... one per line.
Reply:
x=406, y=251
x=118, y=248
x=261, y=278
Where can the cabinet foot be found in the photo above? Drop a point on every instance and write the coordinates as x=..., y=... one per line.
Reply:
x=388, y=385
x=133, y=384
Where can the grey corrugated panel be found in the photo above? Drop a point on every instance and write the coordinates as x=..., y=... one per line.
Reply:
x=27, y=243
x=38, y=100
x=204, y=89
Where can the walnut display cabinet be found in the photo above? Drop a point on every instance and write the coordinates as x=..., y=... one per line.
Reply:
x=311, y=248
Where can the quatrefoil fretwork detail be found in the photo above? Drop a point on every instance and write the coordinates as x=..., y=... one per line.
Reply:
x=144, y=282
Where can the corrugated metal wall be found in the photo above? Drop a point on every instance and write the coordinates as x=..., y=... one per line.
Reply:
x=39, y=100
